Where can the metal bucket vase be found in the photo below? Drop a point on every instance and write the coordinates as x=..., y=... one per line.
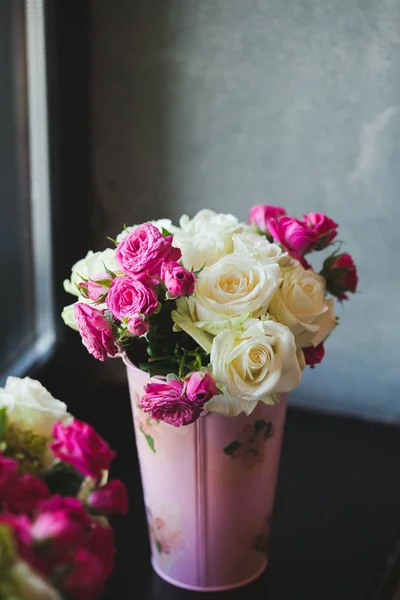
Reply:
x=209, y=492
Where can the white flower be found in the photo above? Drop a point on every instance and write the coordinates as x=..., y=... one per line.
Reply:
x=160, y=224
x=31, y=407
x=253, y=364
x=206, y=238
x=249, y=242
x=89, y=267
x=68, y=316
x=301, y=305
x=31, y=585
x=237, y=286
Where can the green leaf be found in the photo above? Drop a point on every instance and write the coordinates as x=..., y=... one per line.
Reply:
x=183, y=319
x=107, y=270
x=158, y=546
x=260, y=425
x=165, y=232
x=149, y=440
x=3, y=422
x=229, y=450
x=64, y=480
x=103, y=282
x=112, y=240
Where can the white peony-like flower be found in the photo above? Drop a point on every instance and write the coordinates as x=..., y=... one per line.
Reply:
x=300, y=304
x=31, y=407
x=249, y=242
x=68, y=316
x=235, y=287
x=89, y=267
x=207, y=237
x=253, y=363
x=160, y=224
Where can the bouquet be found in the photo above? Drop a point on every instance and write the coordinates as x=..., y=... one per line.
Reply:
x=55, y=539
x=222, y=314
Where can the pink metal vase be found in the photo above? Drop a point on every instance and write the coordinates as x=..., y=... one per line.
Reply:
x=209, y=492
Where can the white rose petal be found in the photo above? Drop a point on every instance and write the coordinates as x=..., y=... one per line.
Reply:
x=234, y=286
x=207, y=237
x=89, y=267
x=253, y=364
x=248, y=242
x=31, y=407
x=301, y=305
x=68, y=316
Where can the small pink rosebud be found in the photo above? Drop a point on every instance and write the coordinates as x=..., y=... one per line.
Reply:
x=324, y=227
x=201, y=387
x=340, y=274
x=178, y=280
x=292, y=234
x=260, y=214
x=110, y=499
x=313, y=355
x=97, y=291
x=137, y=325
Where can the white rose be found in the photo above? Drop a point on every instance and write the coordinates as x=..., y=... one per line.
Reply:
x=253, y=364
x=248, y=242
x=160, y=224
x=88, y=267
x=68, y=316
x=301, y=305
x=237, y=286
x=31, y=407
x=206, y=238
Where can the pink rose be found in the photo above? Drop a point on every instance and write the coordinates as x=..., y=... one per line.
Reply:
x=8, y=472
x=97, y=291
x=260, y=214
x=110, y=499
x=292, y=234
x=340, y=274
x=96, y=331
x=59, y=528
x=167, y=401
x=85, y=577
x=201, y=387
x=142, y=252
x=178, y=280
x=21, y=529
x=324, y=227
x=79, y=445
x=129, y=296
x=101, y=544
x=24, y=494
x=313, y=355
x=137, y=325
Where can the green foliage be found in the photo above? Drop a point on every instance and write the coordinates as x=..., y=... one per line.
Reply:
x=3, y=422
x=149, y=440
x=63, y=479
x=28, y=448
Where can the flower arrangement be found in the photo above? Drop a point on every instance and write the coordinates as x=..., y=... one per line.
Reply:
x=55, y=539
x=222, y=314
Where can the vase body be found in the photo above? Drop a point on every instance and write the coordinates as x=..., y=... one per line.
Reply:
x=209, y=492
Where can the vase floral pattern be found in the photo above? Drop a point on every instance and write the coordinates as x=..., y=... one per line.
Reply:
x=261, y=540
x=250, y=443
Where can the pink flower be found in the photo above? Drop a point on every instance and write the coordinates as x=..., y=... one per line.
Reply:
x=168, y=402
x=340, y=274
x=201, y=387
x=21, y=529
x=62, y=521
x=178, y=280
x=142, y=252
x=101, y=544
x=24, y=494
x=96, y=331
x=97, y=290
x=292, y=234
x=79, y=445
x=313, y=355
x=260, y=214
x=8, y=472
x=85, y=577
x=324, y=227
x=129, y=296
x=110, y=499
x=137, y=325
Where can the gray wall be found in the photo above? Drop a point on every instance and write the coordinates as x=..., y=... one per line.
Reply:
x=228, y=103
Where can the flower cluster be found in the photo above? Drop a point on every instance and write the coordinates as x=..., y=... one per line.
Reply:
x=232, y=310
x=55, y=539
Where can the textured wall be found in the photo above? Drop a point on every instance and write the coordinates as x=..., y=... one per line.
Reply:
x=227, y=103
